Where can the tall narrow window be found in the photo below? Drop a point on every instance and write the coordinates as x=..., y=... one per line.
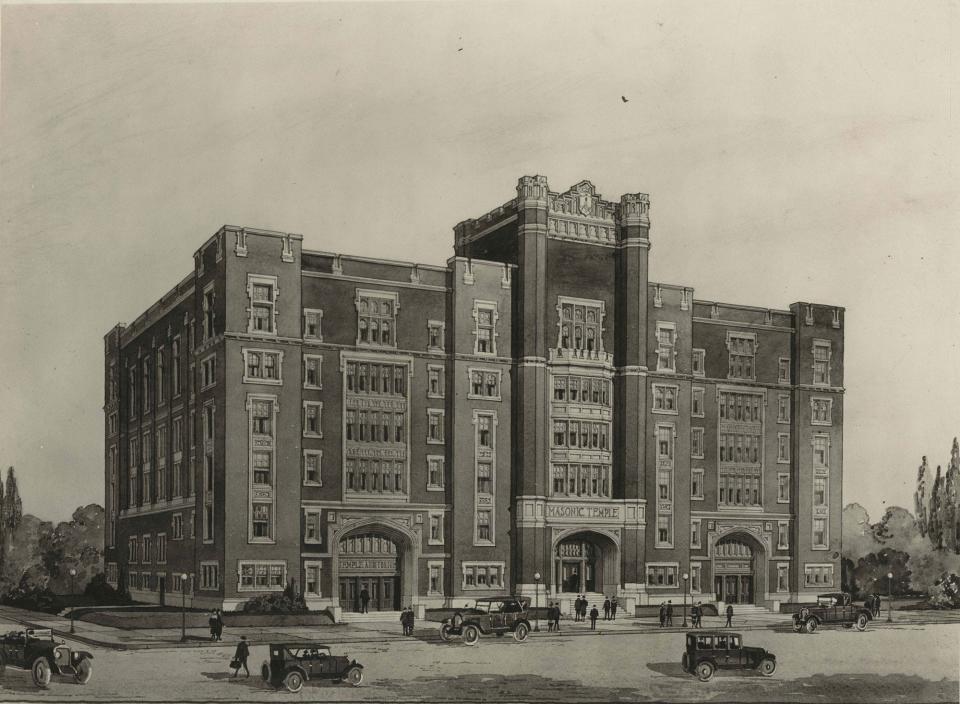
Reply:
x=175, y=362
x=262, y=295
x=822, y=354
x=741, y=347
x=209, y=312
x=485, y=315
x=376, y=318
x=666, y=346
x=699, y=360
x=311, y=371
x=312, y=324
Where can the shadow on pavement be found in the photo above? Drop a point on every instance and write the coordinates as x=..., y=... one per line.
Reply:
x=670, y=669
x=254, y=681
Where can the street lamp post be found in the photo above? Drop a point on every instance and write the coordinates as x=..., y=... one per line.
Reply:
x=889, y=597
x=686, y=579
x=183, y=607
x=73, y=591
x=536, y=600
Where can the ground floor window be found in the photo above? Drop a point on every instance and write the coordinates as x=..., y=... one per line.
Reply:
x=111, y=572
x=435, y=578
x=818, y=575
x=262, y=576
x=783, y=577
x=209, y=575
x=483, y=575
x=662, y=575
x=311, y=579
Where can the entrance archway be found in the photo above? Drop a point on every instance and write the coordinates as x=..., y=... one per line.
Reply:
x=376, y=561
x=738, y=564
x=585, y=562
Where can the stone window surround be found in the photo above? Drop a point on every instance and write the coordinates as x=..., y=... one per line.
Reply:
x=318, y=433
x=442, y=460
x=438, y=564
x=394, y=298
x=273, y=400
x=672, y=326
x=318, y=313
x=586, y=303
x=256, y=563
x=494, y=309
x=307, y=564
x=247, y=351
x=813, y=403
x=694, y=391
x=441, y=327
x=484, y=371
x=319, y=539
x=465, y=565
x=319, y=455
x=783, y=443
x=441, y=381
x=319, y=359
x=272, y=282
x=430, y=539
x=676, y=399
x=786, y=476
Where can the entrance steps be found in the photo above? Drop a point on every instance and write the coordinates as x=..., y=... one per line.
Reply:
x=743, y=609
x=567, y=602
x=370, y=617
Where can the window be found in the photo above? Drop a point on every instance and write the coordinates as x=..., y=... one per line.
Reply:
x=783, y=488
x=145, y=393
x=483, y=526
x=696, y=404
x=262, y=576
x=435, y=426
x=483, y=575
x=146, y=555
x=436, y=529
x=822, y=354
x=818, y=575
x=311, y=579
x=821, y=451
x=208, y=372
x=311, y=467
x=311, y=526
x=434, y=381
x=435, y=473
x=695, y=533
x=665, y=442
x=176, y=529
x=435, y=336
x=133, y=549
x=819, y=533
x=742, y=350
x=821, y=411
x=783, y=535
x=111, y=573
x=484, y=478
x=208, y=425
x=161, y=463
x=666, y=347
x=695, y=581
x=484, y=383
x=696, y=484
x=819, y=491
x=175, y=362
x=312, y=364
x=783, y=448
x=783, y=408
x=485, y=319
x=435, y=578
x=132, y=390
x=208, y=311
x=262, y=366
x=664, y=537
x=581, y=324
x=699, y=358
x=661, y=575
x=696, y=443
x=262, y=521
x=311, y=419
x=484, y=431
x=376, y=318
x=312, y=324
x=261, y=417
x=783, y=578
x=161, y=548
x=783, y=370
x=161, y=377
x=664, y=398
x=262, y=296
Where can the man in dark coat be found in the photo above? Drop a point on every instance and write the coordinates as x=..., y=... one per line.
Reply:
x=583, y=608
x=556, y=616
x=694, y=615
x=669, y=612
x=729, y=616
x=613, y=609
x=240, y=657
x=663, y=614
x=219, y=624
x=876, y=605
x=364, y=600
x=593, y=616
x=606, y=609
x=212, y=622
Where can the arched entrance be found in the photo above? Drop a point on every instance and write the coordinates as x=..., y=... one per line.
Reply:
x=585, y=562
x=370, y=567
x=737, y=569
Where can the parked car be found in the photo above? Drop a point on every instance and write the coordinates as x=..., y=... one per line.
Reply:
x=709, y=651
x=835, y=607
x=291, y=664
x=35, y=649
x=494, y=614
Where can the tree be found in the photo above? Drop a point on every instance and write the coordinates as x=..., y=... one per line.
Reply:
x=859, y=538
x=951, y=501
x=920, y=498
x=76, y=544
x=12, y=505
x=870, y=574
x=935, y=519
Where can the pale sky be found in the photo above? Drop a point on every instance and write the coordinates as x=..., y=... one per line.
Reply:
x=792, y=151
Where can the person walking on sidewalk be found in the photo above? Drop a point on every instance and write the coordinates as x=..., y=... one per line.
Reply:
x=729, y=616
x=663, y=614
x=606, y=609
x=694, y=615
x=613, y=609
x=219, y=625
x=212, y=622
x=669, y=613
x=556, y=616
x=593, y=617
x=240, y=657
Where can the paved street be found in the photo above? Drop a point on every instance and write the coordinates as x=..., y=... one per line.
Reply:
x=615, y=665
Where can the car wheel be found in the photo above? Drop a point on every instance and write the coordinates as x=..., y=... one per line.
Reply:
x=521, y=632
x=445, y=632
x=41, y=672
x=685, y=662
x=354, y=676
x=293, y=682
x=767, y=667
x=265, y=671
x=471, y=635
x=797, y=627
x=811, y=625
x=705, y=671
x=862, y=621
x=84, y=671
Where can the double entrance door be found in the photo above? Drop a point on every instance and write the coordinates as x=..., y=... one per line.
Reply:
x=734, y=588
x=379, y=593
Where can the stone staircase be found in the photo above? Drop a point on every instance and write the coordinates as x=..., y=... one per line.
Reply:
x=567, y=602
x=371, y=617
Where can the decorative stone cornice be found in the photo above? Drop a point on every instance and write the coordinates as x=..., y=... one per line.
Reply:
x=634, y=210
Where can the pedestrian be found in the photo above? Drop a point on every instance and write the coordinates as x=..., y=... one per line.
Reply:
x=613, y=609
x=556, y=617
x=729, y=616
x=669, y=612
x=403, y=620
x=593, y=617
x=583, y=608
x=219, y=615
x=212, y=622
x=694, y=615
x=699, y=614
x=364, y=600
x=663, y=614
x=876, y=605
x=606, y=609
x=240, y=657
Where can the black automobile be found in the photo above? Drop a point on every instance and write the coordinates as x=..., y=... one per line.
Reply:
x=709, y=651
x=495, y=614
x=832, y=608
x=291, y=664
x=35, y=649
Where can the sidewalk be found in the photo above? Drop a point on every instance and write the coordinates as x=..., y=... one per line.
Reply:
x=372, y=632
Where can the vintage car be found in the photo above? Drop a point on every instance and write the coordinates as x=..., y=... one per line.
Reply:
x=709, y=651
x=291, y=664
x=835, y=607
x=36, y=650
x=494, y=614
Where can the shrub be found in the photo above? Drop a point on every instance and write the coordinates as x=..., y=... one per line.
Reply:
x=945, y=592
x=275, y=604
x=102, y=593
x=34, y=599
